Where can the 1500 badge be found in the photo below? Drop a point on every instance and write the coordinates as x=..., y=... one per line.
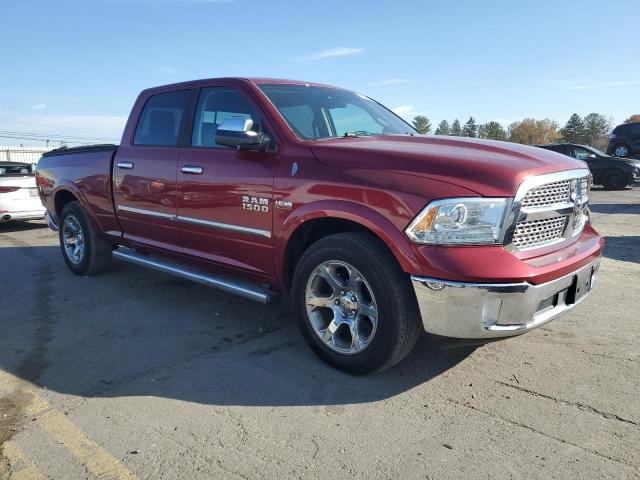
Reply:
x=255, y=204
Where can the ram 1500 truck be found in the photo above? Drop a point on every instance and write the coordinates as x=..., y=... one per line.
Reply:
x=260, y=187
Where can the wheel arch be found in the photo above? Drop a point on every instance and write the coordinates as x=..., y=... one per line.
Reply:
x=323, y=218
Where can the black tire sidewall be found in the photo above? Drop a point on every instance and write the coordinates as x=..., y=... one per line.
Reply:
x=379, y=352
x=614, y=173
x=74, y=208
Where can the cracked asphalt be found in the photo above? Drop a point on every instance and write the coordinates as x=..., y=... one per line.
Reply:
x=134, y=374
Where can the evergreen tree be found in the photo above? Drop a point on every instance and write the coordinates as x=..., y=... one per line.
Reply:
x=422, y=124
x=597, y=128
x=470, y=128
x=493, y=131
x=573, y=131
x=443, y=128
x=456, y=129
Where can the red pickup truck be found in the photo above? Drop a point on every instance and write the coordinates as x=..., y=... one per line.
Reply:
x=260, y=187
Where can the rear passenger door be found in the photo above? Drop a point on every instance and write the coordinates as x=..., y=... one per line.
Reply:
x=144, y=173
x=225, y=209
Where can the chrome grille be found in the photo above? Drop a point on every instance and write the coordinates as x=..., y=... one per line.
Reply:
x=536, y=233
x=546, y=195
x=550, y=209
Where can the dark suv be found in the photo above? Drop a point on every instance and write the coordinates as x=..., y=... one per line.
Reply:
x=610, y=172
x=624, y=141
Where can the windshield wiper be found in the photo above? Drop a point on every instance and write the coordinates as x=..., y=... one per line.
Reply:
x=357, y=133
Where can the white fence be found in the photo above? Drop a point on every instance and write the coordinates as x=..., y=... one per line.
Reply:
x=22, y=154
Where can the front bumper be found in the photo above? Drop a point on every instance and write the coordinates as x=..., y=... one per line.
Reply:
x=485, y=310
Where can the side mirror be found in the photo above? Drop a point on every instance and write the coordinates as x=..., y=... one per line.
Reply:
x=236, y=132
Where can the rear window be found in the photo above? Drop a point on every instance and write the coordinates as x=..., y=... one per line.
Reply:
x=14, y=170
x=161, y=118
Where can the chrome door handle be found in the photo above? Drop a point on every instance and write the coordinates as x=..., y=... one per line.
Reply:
x=125, y=165
x=192, y=170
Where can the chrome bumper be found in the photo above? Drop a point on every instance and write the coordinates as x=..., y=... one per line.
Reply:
x=50, y=221
x=483, y=310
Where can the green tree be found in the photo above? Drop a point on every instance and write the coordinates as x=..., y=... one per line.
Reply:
x=573, y=131
x=531, y=131
x=443, y=128
x=470, y=128
x=422, y=124
x=596, y=130
x=493, y=131
x=456, y=129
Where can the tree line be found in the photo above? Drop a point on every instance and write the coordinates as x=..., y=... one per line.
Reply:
x=593, y=129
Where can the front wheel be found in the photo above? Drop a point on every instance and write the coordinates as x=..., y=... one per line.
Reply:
x=84, y=249
x=354, y=303
x=614, y=180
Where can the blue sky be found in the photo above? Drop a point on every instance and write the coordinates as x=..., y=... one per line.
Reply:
x=74, y=67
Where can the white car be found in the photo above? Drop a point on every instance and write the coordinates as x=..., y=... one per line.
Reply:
x=19, y=198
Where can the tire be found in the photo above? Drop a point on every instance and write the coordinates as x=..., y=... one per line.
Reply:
x=366, y=279
x=621, y=150
x=84, y=249
x=614, y=180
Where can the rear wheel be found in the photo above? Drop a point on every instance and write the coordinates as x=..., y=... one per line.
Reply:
x=84, y=249
x=621, y=151
x=614, y=180
x=354, y=303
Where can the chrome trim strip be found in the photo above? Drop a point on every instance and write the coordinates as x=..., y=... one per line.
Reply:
x=225, y=226
x=198, y=221
x=243, y=289
x=150, y=213
x=125, y=165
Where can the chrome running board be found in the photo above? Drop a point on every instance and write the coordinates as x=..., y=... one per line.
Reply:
x=243, y=289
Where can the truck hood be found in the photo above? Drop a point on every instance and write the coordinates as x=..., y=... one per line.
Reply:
x=489, y=168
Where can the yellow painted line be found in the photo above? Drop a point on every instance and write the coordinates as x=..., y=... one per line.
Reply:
x=94, y=458
x=20, y=469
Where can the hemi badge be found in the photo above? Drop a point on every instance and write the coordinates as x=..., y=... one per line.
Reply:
x=284, y=204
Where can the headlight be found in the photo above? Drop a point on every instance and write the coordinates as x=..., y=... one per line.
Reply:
x=456, y=221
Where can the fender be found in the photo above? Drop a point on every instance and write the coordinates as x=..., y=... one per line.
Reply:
x=66, y=185
x=395, y=240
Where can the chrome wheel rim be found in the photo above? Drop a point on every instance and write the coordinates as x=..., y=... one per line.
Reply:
x=73, y=239
x=341, y=307
x=621, y=151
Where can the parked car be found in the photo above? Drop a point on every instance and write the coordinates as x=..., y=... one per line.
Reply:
x=18, y=193
x=610, y=172
x=624, y=141
x=378, y=233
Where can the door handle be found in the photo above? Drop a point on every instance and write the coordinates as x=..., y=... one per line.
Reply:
x=192, y=170
x=125, y=165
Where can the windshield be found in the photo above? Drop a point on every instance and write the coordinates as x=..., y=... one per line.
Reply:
x=321, y=112
x=15, y=169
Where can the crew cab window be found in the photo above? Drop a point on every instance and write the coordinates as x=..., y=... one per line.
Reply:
x=214, y=106
x=160, y=119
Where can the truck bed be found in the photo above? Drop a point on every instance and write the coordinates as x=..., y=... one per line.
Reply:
x=86, y=173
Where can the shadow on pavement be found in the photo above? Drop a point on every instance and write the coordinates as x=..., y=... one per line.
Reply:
x=18, y=226
x=619, y=208
x=131, y=332
x=626, y=249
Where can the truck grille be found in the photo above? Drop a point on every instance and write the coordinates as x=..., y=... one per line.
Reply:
x=546, y=195
x=550, y=212
x=536, y=233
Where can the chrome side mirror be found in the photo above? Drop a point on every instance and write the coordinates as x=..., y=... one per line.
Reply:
x=236, y=132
